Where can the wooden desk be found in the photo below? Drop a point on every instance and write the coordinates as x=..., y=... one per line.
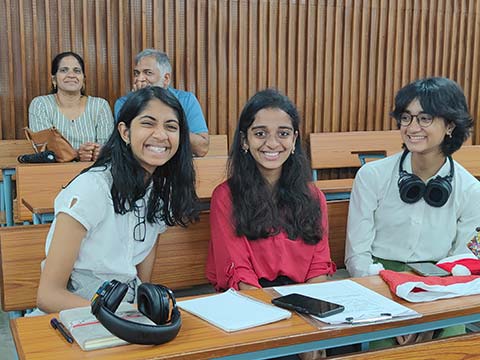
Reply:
x=35, y=339
x=42, y=211
x=41, y=183
x=210, y=172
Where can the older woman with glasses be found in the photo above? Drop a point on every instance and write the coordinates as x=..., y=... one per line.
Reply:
x=417, y=205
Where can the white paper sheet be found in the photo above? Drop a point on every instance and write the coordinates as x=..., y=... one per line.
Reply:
x=361, y=303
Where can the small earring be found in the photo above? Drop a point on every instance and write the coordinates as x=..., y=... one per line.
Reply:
x=293, y=151
x=245, y=150
x=449, y=134
x=54, y=86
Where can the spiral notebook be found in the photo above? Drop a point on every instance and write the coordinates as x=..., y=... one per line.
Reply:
x=232, y=311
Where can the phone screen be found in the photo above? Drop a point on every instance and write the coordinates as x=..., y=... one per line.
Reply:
x=308, y=305
x=428, y=269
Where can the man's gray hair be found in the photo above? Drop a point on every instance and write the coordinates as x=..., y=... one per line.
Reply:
x=162, y=59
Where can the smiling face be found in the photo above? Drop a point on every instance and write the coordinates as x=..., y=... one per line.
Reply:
x=270, y=140
x=427, y=139
x=69, y=76
x=153, y=136
x=147, y=73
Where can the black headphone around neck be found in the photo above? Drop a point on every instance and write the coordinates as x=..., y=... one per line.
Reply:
x=153, y=302
x=435, y=193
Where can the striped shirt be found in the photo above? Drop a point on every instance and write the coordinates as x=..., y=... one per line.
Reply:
x=94, y=125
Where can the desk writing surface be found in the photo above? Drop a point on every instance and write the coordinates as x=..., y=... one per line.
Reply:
x=38, y=206
x=35, y=339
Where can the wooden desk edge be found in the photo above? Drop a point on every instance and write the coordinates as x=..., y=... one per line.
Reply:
x=16, y=339
x=37, y=210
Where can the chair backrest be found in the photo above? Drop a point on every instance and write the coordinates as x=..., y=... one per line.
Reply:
x=210, y=172
x=180, y=260
x=218, y=145
x=22, y=248
x=182, y=255
x=42, y=183
x=337, y=230
x=469, y=157
x=341, y=149
x=11, y=149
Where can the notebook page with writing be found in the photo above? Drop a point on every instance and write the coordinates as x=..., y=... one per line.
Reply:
x=361, y=303
x=232, y=311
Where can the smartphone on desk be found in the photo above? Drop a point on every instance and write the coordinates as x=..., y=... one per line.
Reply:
x=308, y=305
x=428, y=269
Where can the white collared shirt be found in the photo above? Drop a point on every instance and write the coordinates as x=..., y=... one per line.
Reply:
x=380, y=224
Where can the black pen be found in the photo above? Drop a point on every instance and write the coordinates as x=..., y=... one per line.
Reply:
x=57, y=325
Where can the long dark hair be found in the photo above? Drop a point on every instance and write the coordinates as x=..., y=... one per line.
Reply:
x=440, y=97
x=258, y=210
x=173, y=197
x=56, y=65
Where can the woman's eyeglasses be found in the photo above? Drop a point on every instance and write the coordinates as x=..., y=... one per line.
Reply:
x=140, y=228
x=423, y=119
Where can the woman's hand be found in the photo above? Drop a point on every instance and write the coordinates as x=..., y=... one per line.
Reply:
x=88, y=151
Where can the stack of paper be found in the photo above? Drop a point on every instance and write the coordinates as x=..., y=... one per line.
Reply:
x=231, y=311
x=362, y=305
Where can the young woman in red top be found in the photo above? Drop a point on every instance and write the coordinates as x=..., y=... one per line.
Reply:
x=269, y=223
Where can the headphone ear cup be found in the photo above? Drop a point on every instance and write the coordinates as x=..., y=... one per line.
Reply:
x=115, y=295
x=437, y=192
x=153, y=302
x=411, y=187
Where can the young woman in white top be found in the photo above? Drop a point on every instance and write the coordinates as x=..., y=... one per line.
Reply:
x=107, y=220
x=85, y=121
x=420, y=204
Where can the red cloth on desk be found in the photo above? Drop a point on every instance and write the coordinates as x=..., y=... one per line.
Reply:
x=416, y=288
x=233, y=259
x=471, y=264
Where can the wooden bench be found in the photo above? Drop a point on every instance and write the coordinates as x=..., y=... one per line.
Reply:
x=452, y=348
x=210, y=172
x=40, y=183
x=9, y=152
x=180, y=259
x=218, y=145
x=469, y=157
x=337, y=230
x=342, y=150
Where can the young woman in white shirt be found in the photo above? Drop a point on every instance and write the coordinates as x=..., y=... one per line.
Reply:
x=419, y=204
x=107, y=220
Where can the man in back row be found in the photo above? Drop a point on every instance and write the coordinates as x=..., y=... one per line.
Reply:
x=153, y=68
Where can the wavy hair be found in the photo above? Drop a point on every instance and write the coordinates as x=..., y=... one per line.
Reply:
x=258, y=210
x=439, y=97
x=173, y=198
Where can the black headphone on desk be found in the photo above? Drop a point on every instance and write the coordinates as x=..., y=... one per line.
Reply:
x=435, y=193
x=153, y=302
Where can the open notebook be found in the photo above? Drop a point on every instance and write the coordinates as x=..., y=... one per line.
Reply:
x=232, y=311
x=90, y=334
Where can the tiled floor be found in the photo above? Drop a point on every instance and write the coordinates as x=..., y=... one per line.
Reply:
x=7, y=348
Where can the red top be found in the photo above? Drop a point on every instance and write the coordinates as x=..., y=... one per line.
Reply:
x=232, y=259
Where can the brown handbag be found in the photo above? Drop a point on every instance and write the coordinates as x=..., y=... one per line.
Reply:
x=51, y=139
